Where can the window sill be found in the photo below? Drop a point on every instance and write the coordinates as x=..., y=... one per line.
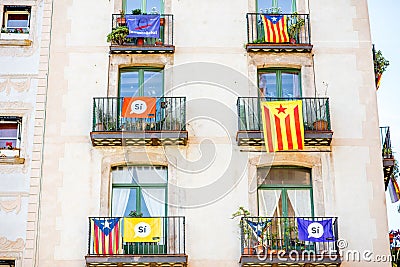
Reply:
x=12, y=160
x=15, y=39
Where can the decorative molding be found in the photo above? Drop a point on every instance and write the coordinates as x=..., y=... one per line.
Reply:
x=8, y=245
x=14, y=204
x=18, y=84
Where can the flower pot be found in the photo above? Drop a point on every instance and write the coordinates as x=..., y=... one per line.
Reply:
x=99, y=127
x=248, y=251
x=140, y=41
x=260, y=250
x=162, y=21
x=121, y=21
x=320, y=125
x=292, y=40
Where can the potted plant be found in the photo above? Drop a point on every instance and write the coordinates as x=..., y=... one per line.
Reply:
x=121, y=21
x=246, y=232
x=136, y=11
x=118, y=35
x=380, y=65
x=296, y=23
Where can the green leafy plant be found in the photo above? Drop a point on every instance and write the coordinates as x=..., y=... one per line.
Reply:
x=380, y=63
x=118, y=35
x=258, y=41
x=296, y=23
x=135, y=214
x=136, y=11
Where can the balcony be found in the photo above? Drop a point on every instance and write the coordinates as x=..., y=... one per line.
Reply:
x=166, y=127
x=277, y=242
x=316, y=121
x=387, y=154
x=297, y=26
x=168, y=250
x=162, y=45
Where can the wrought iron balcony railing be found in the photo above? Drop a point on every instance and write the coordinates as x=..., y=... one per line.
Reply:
x=170, y=242
x=315, y=113
x=386, y=143
x=297, y=26
x=280, y=235
x=170, y=115
x=164, y=43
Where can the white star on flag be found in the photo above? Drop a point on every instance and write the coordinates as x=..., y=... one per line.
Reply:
x=274, y=19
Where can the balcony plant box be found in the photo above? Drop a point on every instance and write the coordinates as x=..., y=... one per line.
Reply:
x=14, y=36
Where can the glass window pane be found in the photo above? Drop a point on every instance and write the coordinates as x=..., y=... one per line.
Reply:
x=286, y=6
x=129, y=83
x=123, y=201
x=8, y=130
x=299, y=203
x=149, y=174
x=154, y=6
x=132, y=5
x=267, y=84
x=270, y=203
x=153, y=83
x=153, y=202
x=283, y=176
x=290, y=84
x=18, y=21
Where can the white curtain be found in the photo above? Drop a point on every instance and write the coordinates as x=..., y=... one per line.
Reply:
x=269, y=200
x=154, y=200
x=301, y=202
x=296, y=90
x=120, y=196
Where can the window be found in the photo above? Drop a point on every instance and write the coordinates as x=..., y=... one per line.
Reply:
x=16, y=19
x=146, y=6
x=284, y=192
x=10, y=136
x=276, y=6
x=279, y=83
x=10, y=263
x=141, y=82
x=139, y=188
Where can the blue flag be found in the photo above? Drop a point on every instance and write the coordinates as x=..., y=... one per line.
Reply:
x=143, y=25
x=259, y=227
x=315, y=231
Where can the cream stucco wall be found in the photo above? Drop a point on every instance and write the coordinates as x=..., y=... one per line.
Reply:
x=211, y=176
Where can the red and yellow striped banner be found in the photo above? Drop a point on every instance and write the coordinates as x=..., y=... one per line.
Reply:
x=283, y=125
x=275, y=28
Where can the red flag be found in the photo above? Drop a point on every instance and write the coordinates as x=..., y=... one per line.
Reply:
x=275, y=28
x=106, y=236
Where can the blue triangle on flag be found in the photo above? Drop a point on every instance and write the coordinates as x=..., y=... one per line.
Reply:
x=274, y=18
x=106, y=225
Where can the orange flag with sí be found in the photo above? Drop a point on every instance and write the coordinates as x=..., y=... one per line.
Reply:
x=139, y=107
x=283, y=125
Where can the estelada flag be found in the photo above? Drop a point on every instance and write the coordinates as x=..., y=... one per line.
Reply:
x=139, y=107
x=106, y=236
x=275, y=28
x=283, y=125
x=142, y=229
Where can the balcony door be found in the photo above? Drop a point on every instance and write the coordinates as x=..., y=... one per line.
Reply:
x=146, y=6
x=284, y=192
x=273, y=6
x=141, y=82
x=279, y=83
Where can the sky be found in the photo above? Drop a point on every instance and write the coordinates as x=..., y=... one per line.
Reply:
x=383, y=18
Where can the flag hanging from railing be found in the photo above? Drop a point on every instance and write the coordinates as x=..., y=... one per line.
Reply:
x=315, y=230
x=106, y=234
x=139, y=107
x=275, y=28
x=283, y=125
x=143, y=25
x=142, y=229
x=394, y=190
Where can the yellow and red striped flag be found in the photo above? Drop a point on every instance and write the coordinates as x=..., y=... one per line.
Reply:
x=275, y=28
x=106, y=234
x=283, y=125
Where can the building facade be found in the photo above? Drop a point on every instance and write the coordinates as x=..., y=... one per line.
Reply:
x=168, y=129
